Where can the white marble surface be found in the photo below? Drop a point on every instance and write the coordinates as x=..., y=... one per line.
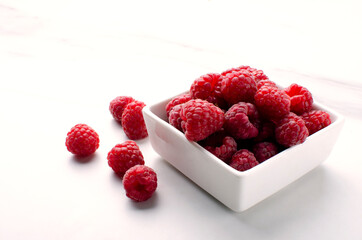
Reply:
x=61, y=62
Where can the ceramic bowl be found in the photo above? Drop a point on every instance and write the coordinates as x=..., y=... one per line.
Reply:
x=238, y=190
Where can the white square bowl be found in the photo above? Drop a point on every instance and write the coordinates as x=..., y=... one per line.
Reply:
x=238, y=190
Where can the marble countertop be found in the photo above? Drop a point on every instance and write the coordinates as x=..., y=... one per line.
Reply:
x=62, y=62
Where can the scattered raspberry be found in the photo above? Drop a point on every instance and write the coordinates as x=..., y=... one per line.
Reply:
x=272, y=103
x=174, y=117
x=242, y=120
x=238, y=87
x=124, y=156
x=291, y=130
x=243, y=160
x=225, y=150
x=315, y=120
x=208, y=87
x=301, y=99
x=264, y=150
x=117, y=106
x=176, y=101
x=200, y=119
x=267, y=82
x=140, y=182
x=132, y=121
x=82, y=140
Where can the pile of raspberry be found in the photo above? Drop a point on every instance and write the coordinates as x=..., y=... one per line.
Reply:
x=243, y=117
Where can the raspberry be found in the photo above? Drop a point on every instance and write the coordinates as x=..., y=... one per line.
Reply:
x=301, y=99
x=257, y=74
x=315, y=120
x=267, y=82
x=82, y=140
x=140, y=182
x=176, y=101
x=117, y=106
x=174, y=117
x=266, y=131
x=243, y=160
x=124, y=156
x=241, y=121
x=264, y=150
x=238, y=87
x=272, y=103
x=224, y=151
x=208, y=87
x=200, y=119
x=291, y=130
x=132, y=121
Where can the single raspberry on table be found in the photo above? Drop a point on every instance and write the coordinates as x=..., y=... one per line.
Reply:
x=238, y=87
x=272, y=103
x=243, y=160
x=82, y=140
x=242, y=121
x=316, y=120
x=200, y=119
x=132, y=121
x=223, y=150
x=174, y=117
x=291, y=130
x=140, y=182
x=301, y=99
x=117, y=106
x=264, y=150
x=124, y=156
x=176, y=101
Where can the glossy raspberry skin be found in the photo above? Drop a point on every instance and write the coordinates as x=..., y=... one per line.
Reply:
x=200, y=119
x=301, y=99
x=174, y=117
x=132, y=121
x=124, y=156
x=140, y=182
x=238, y=87
x=82, y=140
x=264, y=150
x=242, y=120
x=226, y=150
x=291, y=130
x=176, y=101
x=316, y=120
x=117, y=106
x=272, y=103
x=243, y=160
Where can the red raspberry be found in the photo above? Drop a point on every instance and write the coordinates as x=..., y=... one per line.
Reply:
x=272, y=103
x=301, y=99
x=140, y=182
x=257, y=74
x=225, y=150
x=315, y=120
x=264, y=150
x=266, y=131
x=208, y=87
x=174, y=117
x=124, y=156
x=200, y=119
x=243, y=160
x=117, y=106
x=267, y=82
x=242, y=120
x=238, y=87
x=176, y=101
x=132, y=121
x=291, y=130
x=82, y=140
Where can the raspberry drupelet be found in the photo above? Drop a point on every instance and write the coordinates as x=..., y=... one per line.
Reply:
x=82, y=140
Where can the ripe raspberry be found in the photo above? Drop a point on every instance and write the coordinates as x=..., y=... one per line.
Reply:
x=272, y=103
x=291, y=130
x=225, y=150
x=243, y=160
x=257, y=74
x=266, y=131
x=140, y=182
x=174, y=117
x=82, y=140
x=264, y=150
x=200, y=119
x=238, y=87
x=266, y=83
x=315, y=120
x=208, y=87
x=301, y=99
x=176, y=101
x=242, y=120
x=124, y=156
x=117, y=106
x=132, y=121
